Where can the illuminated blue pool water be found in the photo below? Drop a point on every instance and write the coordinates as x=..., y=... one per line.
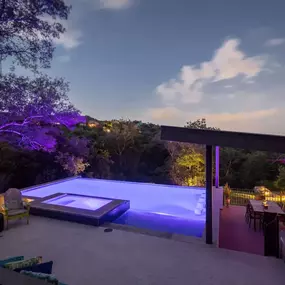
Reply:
x=157, y=207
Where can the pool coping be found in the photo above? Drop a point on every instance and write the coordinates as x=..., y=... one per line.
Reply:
x=47, y=184
x=97, y=179
x=158, y=234
x=106, y=213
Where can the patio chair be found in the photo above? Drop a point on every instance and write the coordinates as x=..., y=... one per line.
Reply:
x=247, y=213
x=255, y=217
x=14, y=207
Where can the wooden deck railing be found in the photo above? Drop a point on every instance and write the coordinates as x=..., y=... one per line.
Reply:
x=240, y=197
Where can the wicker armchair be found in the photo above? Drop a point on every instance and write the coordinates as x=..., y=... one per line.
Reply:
x=14, y=207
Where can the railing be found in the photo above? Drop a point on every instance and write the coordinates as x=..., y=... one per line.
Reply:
x=240, y=197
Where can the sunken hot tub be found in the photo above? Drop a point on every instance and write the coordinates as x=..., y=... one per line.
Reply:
x=79, y=208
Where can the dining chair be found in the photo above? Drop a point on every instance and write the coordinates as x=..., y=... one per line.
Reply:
x=255, y=217
x=247, y=213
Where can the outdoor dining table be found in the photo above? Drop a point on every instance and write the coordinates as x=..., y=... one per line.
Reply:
x=271, y=225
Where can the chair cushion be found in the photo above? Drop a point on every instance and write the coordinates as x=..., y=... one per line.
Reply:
x=13, y=198
x=16, y=212
x=49, y=278
x=13, y=204
x=45, y=267
x=11, y=259
x=23, y=263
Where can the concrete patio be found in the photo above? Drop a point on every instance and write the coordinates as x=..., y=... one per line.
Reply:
x=88, y=255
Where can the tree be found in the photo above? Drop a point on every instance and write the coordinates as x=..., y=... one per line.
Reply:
x=199, y=124
x=193, y=164
x=33, y=109
x=122, y=140
x=186, y=160
x=72, y=153
x=27, y=31
x=280, y=182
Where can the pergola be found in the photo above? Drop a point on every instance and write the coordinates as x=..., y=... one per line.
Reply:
x=210, y=139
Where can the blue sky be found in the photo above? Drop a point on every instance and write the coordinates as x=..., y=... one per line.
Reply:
x=171, y=61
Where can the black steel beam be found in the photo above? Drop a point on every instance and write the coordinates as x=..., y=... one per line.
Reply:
x=224, y=138
x=209, y=196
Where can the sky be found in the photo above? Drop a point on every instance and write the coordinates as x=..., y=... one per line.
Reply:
x=172, y=61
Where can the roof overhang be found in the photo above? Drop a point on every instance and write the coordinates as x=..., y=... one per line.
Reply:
x=252, y=141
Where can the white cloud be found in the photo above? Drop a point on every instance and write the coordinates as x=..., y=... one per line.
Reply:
x=115, y=4
x=230, y=62
x=241, y=116
x=232, y=96
x=63, y=58
x=71, y=38
x=275, y=42
x=252, y=121
x=227, y=63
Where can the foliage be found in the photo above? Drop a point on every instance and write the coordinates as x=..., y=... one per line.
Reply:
x=199, y=124
x=21, y=168
x=32, y=109
x=194, y=164
x=72, y=164
x=27, y=31
x=72, y=153
x=280, y=181
x=186, y=160
x=131, y=151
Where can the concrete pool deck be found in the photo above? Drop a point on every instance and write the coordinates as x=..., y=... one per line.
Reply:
x=88, y=255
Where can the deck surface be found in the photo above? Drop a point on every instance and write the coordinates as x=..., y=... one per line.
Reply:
x=86, y=255
x=235, y=233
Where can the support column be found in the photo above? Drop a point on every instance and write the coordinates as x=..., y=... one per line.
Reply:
x=209, y=198
x=217, y=170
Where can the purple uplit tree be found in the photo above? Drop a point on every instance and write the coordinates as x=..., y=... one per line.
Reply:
x=33, y=110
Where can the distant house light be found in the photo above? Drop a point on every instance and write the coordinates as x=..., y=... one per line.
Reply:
x=93, y=124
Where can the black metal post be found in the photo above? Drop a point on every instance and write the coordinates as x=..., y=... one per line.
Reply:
x=209, y=185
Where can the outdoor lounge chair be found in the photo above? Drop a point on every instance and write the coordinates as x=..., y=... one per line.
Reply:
x=14, y=207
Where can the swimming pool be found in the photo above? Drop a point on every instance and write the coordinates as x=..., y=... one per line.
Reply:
x=151, y=206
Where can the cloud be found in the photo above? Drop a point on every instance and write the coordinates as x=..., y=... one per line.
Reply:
x=63, y=58
x=252, y=121
x=71, y=38
x=241, y=116
x=275, y=42
x=115, y=4
x=228, y=62
x=232, y=96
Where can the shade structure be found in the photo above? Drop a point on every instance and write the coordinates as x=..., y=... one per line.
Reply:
x=211, y=138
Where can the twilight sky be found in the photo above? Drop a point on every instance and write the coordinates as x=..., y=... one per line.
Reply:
x=171, y=61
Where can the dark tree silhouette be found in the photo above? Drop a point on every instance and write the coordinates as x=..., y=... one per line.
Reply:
x=27, y=30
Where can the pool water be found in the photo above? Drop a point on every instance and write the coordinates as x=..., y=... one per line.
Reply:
x=165, y=208
x=162, y=223
x=74, y=201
